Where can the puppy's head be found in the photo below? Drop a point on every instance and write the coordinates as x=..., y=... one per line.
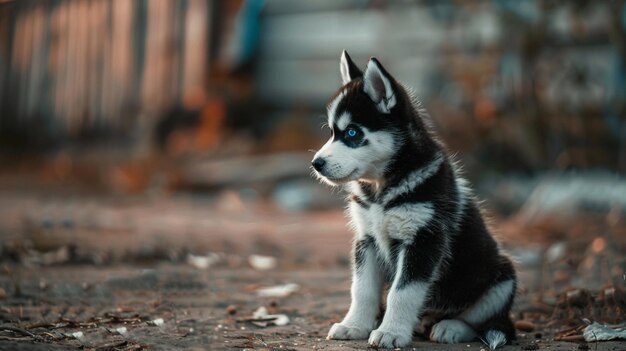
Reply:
x=365, y=119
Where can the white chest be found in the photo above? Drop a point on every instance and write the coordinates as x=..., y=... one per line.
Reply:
x=398, y=223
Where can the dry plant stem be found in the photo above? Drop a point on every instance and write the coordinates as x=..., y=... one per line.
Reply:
x=18, y=330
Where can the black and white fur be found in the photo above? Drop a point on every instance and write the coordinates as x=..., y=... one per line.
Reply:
x=418, y=228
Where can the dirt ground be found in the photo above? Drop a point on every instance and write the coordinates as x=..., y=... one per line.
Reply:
x=89, y=271
x=195, y=307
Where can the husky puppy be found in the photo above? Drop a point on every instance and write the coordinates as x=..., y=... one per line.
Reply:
x=418, y=228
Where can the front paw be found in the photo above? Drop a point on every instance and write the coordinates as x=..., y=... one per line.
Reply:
x=389, y=339
x=341, y=331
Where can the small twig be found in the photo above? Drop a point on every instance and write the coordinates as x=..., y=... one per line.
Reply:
x=133, y=347
x=51, y=335
x=40, y=325
x=60, y=325
x=567, y=331
x=572, y=338
x=8, y=338
x=18, y=330
x=252, y=319
x=111, y=345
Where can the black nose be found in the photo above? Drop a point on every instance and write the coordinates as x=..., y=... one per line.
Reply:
x=318, y=164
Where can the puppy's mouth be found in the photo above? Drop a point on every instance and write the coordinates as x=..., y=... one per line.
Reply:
x=344, y=179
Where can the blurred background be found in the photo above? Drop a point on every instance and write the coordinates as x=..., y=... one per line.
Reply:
x=134, y=131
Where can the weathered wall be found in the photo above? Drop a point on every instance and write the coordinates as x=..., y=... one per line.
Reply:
x=529, y=83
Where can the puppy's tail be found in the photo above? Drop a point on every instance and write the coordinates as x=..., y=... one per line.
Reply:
x=497, y=332
x=494, y=338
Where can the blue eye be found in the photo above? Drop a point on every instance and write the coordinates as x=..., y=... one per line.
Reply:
x=351, y=132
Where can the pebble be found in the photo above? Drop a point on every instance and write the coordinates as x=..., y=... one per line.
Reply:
x=530, y=346
x=524, y=325
x=231, y=309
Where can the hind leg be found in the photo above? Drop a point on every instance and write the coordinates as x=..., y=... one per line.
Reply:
x=494, y=302
x=452, y=331
x=489, y=316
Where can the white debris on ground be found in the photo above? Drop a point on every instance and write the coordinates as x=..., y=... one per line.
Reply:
x=262, y=318
x=603, y=332
x=156, y=322
x=283, y=290
x=203, y=262
x=119, y=330
x=76, y=335
x=59, y=256
x=261, y=262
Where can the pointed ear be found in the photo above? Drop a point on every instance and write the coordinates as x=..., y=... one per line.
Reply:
x=379, y=86
x=348, y=69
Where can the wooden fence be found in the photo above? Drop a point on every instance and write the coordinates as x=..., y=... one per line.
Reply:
x=67, y=66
